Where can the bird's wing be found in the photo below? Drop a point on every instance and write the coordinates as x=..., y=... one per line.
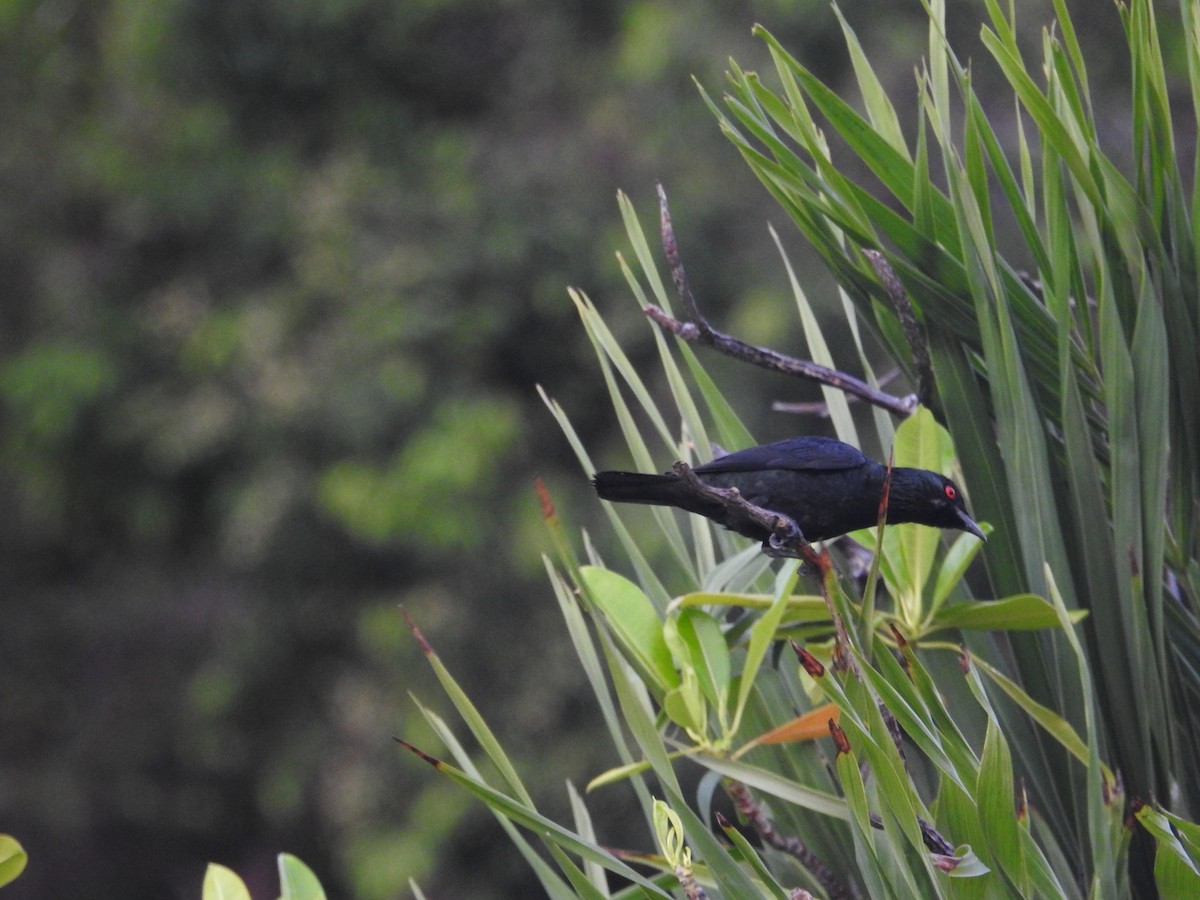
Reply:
x=794, y=453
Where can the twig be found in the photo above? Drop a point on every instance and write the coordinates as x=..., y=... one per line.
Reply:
x=918, y=344
x=753, y=812
x=820, y=407
x=785, y=541
x=696, y=329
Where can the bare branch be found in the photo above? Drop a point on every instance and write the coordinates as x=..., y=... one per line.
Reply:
x=696, y=329
x=820, y=407
x=753, y=812
x=918, y=344
x=786, y=540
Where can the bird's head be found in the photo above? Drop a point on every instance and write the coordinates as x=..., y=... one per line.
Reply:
x=925, y=497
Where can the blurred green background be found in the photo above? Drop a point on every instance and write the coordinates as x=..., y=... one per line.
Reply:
x=277, y=282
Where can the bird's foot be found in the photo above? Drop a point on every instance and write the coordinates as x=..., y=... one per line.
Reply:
x=786, y=540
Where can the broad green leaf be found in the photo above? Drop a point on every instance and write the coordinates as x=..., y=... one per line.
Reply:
x=1187, y=832
x=969, y=865
x=296, y=880
x=221, y=883
x=13, y=859
x=685, y=706
x=882, y=114
x=634, y=621
x=923, y=444
x=695, y=638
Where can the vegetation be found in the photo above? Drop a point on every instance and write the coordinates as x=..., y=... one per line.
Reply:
x=1065, y=375
x=278, y=280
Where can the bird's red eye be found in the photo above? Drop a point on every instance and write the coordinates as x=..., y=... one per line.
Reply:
x=950, y=491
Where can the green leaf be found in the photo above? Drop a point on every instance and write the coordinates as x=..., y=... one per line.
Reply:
x=1054, y=724
x=955, y=563
x=475, y=721
x=995, y=796
x=551, y=882
x=13, y=859
x=684, y=704
x=747, y=852
x=1023, y=612
x=587, y=831
x=761, y=636
x=835, y=400
x=297, y=881
x=634, y=621
x=695, y=638
x=923, y=444
x=1176, y=868
x=777, y=785
x=221, y=883
x=548, y=829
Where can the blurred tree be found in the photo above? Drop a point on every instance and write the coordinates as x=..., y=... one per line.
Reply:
x=278, y=280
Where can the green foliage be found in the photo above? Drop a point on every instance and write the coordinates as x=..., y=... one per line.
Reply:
x=419, y=495
x=13, y=859
x=296, y=882
x=1070, y=395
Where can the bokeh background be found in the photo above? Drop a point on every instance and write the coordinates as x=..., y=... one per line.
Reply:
x=277, y=281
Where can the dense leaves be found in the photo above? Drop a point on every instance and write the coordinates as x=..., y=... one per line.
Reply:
x=278, y=280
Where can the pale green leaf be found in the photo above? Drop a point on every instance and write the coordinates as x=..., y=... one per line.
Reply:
x=221, y=883
x=296, y=880
x=634, y=621
x=13, y=859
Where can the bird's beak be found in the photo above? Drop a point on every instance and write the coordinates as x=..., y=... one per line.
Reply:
x=968, y=524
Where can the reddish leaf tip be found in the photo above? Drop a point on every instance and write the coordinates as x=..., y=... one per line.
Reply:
x=425, y=646
x=544, y=498
x=432, y=760
x=945, y=863
x=839, y=737
x=812, y=665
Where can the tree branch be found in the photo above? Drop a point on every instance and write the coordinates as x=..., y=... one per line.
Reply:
x=918, y=344
x=787, y=541
x=696, y=329
x=753, y=812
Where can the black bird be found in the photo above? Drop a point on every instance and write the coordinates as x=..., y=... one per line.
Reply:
x=828, y=488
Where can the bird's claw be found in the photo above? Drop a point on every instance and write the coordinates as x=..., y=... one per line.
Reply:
x=784, y=541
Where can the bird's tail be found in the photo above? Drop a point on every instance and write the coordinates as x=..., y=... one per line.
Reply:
x=656, y=490
x=636, y=487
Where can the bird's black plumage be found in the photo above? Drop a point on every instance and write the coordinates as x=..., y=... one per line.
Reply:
x=828, y=488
